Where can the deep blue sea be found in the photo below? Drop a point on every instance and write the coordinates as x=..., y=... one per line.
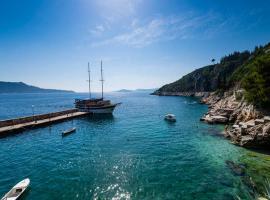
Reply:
x=133, y=154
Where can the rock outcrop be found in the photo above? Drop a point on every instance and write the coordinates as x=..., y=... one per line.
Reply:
x=246, y=126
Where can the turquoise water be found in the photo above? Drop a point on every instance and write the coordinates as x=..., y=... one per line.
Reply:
x=134, y=154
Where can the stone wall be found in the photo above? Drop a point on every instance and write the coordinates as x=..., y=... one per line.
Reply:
x=27, y=119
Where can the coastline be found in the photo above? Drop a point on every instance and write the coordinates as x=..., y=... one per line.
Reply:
x=246, y=126
x=186, y=94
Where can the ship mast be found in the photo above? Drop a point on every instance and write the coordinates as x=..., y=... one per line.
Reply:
x=89, y=80
x=102, y=80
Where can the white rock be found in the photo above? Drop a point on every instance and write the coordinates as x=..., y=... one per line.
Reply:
x=266, y=119
x=258, y=121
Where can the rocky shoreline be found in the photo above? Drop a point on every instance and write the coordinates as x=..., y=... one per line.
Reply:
x=186, y=94
x=245, y=125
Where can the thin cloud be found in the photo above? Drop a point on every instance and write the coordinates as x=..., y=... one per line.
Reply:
x=97, y=31
x=162, y=29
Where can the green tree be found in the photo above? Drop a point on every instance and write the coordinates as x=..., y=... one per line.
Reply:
x=257, y=81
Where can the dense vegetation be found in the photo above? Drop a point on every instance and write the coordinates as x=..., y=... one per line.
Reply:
x=254, y=77
x=20, y=87
x=250, y=71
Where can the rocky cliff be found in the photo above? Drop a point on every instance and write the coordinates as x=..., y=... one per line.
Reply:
x=247, y=126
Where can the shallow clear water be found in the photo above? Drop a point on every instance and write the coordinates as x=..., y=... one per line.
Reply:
x=134, y=154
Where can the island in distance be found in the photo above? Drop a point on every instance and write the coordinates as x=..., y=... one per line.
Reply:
x=20, y=87
x=138, y=90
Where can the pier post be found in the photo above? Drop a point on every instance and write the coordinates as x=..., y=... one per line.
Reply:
x=33, y=113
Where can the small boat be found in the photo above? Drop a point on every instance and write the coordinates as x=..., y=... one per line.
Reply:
x=170, y=117
x=17, y=190
x=66, y=132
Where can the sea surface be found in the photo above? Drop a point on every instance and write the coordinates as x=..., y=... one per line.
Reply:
x=133, y=154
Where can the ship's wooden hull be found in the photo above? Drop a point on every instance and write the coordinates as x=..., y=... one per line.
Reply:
x=100, y=110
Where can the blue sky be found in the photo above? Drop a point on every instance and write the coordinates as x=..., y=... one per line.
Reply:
x=143, y=43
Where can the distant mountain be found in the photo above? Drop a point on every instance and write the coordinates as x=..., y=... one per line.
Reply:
x=124, y=90
x=137, y=90
x=146, y=90
x=20, y=87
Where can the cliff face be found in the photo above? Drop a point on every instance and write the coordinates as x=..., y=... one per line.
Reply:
x=249, y=127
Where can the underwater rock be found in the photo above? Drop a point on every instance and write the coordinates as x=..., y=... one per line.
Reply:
x=261, y=198
x=237, y=169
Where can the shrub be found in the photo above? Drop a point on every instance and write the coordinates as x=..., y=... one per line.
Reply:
x=257, y=81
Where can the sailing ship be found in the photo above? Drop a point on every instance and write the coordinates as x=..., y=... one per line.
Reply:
x=95, y=105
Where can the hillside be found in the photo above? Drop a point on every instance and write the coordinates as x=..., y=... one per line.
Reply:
x=208, y=78
x=248, y=70
x=20, y=87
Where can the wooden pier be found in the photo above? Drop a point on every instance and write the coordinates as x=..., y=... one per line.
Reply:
x=17, y=125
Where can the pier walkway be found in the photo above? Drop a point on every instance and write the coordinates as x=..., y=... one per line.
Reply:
x=20, y=124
